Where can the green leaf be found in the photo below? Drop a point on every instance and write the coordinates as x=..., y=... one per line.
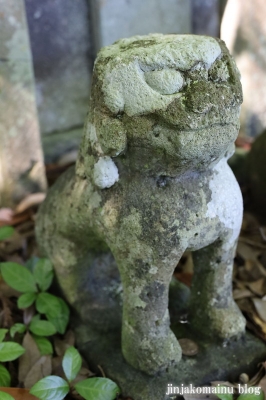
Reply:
x=31, y=262
x=3, y=333
x=36, y=317
x=42, y=328
x=43, y=273
x=61, y=320
x=44, y=345
x=71, y=363
x=222, y=393
x=26, y=300
x=50, y=388
x=17, y=328
x=48, y=303
x=252, y=396
x=6, y=232
x=97, y=389
x=5, y=396
x=5, y=378
x=18, y=277
x=9, y=351
x=55, y=309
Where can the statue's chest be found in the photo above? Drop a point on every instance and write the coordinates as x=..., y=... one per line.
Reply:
x=194, y=210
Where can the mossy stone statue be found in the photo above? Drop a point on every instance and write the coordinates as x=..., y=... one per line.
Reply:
x=152, y=181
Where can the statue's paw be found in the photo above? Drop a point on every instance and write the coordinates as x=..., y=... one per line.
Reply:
x=223, y=323
x=153, y=354
x=228, y=322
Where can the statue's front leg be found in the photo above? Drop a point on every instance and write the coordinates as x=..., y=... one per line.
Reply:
x=148, y=343
x=212, y=308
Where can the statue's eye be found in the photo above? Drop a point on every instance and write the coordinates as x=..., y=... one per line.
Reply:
x=165, y=81
x=219, y=72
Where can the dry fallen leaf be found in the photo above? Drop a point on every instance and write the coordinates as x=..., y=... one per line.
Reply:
x=12, y=244
x=189, y=348
x=84, y=373
x=259, y=323
x=57, y=368
x=18, y=393
x=62, y=345
x=260, y=306
x=6, y=317
x=41, y=369
x=28, y=314
x=258, y=287
x=253, y=270
x=258, y=376
x=188, y=263
x=241, y=294
x=68, y=158
x=31, y=200
x=262, y=384
x=257, y=244
x=6, y=215
x=246, y=251
x=29, y=358
x=184, y=277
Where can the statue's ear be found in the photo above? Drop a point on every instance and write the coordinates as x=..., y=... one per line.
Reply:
x=110, y=133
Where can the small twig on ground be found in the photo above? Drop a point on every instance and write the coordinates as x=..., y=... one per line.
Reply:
x=102, y=371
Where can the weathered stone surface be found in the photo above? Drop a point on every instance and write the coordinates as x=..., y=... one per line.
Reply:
x=113, y=19
x=244, y=31
x=214, y=361
x=151, y=181
x=21, y=160
x=60, y=43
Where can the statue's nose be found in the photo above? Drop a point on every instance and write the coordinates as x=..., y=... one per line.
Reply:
x=202, y=102
x=202, y=96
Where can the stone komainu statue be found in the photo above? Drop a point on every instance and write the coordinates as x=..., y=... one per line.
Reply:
x=152, y=181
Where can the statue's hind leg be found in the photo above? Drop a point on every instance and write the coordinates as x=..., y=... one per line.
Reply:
x=83, y=264
x=90, y=283
x=212, y=309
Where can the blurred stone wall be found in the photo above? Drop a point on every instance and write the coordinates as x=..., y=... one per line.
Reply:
x=244, y=31
x=206, y=17
x=65, y=36
x=61, y=49
x=21, y=158
x=114, y=19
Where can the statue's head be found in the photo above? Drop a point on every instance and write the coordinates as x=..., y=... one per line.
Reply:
x=164, y=103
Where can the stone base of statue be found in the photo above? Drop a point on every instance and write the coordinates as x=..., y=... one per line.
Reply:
x=214, y=361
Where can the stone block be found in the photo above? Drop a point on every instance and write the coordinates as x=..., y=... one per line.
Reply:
x=206, y=17
x=114, y=19
x=21, y=168
x=244, y=31
x=60, y=42
x=214, y=361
